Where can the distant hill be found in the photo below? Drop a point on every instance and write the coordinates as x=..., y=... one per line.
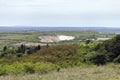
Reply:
x=36, y=29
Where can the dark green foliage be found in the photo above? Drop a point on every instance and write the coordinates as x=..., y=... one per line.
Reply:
x=22, y=47
x=110, y=48
x=2, y=55
x=117, y=60
x=88, y=41
x=38, y=47
x=19, y=54
x=97, y=47
x=98, y=59
x=95, y=58
x=58, y=69
x=4, y=48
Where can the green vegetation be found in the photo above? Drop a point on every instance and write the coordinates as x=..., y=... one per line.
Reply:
x=110, y=49
x=61, y=58
x=18, y=37
x=83, y=72
x=26, y=67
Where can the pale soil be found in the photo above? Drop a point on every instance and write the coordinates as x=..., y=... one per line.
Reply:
x=49, y=38
x=56, y=38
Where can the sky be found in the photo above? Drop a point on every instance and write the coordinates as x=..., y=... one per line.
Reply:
x=78, y=13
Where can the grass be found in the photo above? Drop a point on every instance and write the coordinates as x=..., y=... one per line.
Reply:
x=85, y=72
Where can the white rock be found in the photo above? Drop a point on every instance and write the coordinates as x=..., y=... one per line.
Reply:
x=63, y=37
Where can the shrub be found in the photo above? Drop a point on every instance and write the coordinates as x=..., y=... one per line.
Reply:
x=29, y=68
x=95, y=58
x=2, y=69
x=26, y=67
x=98, y=59
x=117, y=60
x=19, y=54
x=111, y=48
x=15, y=68
x=44, y=67
x=88, y=56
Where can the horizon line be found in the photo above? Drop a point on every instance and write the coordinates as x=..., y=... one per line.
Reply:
x=62, y=26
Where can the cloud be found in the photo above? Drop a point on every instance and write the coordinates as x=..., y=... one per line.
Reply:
x=60, y=12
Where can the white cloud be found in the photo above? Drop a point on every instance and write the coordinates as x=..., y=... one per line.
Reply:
x=60, y=12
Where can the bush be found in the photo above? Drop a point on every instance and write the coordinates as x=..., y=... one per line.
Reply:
x=98, y=59
x=88, y=56
x=29, y=68
x=2, y=69
x=26, y=67
x=95, y=58
x=44, y=67
x=111, y=48
x=15, y=68
x=117, y=60
x=19, y=54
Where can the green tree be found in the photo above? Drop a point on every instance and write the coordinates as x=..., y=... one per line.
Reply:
x=4, y=48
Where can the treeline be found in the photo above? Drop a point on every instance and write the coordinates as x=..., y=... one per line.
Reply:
x=105, y=52
x=10, y=53
x=110, y=49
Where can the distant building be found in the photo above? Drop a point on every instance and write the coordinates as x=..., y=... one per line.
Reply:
x=102, y=39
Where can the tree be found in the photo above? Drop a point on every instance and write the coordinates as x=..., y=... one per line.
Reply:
x=22, y=48
x=88, y=41
x=110, y=48
x=98, y=59
x=4, y=48
x=117, y=60
x=47, y=45
x=38, y=47
x=19, y=54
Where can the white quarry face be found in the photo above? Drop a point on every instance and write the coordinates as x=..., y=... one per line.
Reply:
x=63, y=37
x=57, y=38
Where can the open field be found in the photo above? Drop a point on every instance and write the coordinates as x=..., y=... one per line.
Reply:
x=84, y=72
x=34, y=37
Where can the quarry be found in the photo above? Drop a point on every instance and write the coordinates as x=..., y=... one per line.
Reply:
x=55, y=38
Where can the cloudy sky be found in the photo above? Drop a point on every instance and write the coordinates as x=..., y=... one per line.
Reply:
x=105, y=13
